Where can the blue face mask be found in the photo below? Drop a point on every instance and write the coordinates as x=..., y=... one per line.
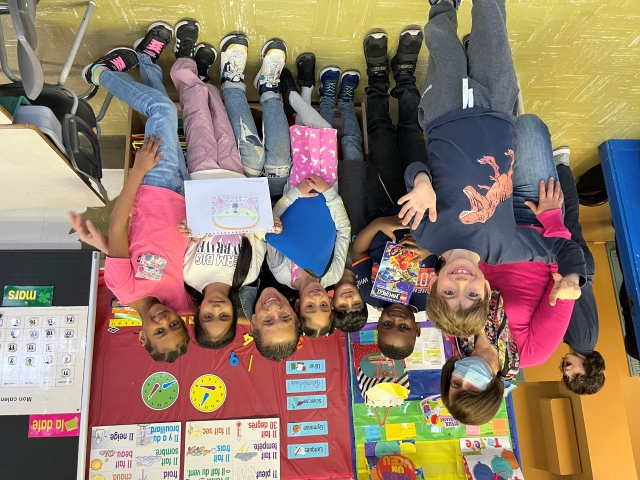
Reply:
x=474, y=370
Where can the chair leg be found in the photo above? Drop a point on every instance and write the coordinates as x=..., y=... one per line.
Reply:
x=76, y=43
x=3, y=58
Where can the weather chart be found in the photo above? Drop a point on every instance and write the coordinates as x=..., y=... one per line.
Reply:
x=232, y=449
x=42, y=352
x=135, y=452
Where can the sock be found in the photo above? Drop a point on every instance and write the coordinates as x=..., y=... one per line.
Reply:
x=561, y=158
x=95, y=73
x=306, y=94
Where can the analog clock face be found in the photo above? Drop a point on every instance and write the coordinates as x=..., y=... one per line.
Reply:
x=160, y=390
x=208, y=393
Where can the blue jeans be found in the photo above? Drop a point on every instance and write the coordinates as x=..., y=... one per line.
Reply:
x=271, y=158
x=352, y=136
x=151, y=99
x=533, y=162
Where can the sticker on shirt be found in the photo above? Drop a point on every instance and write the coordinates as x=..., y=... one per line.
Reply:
x=484, y=206
x=151, y=267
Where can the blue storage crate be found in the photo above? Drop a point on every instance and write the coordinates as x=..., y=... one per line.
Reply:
x=621, y=166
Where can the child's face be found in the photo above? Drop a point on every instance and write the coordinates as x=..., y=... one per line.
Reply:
x=347, y=298
x=458, y=385
x=397, y=326
x=216, y=314
x=163, y=328
x=572, y=364
x=274, y=318
x=315, y=305
x=461, y=283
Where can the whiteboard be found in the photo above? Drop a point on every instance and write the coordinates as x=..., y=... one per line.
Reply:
x=43, y=353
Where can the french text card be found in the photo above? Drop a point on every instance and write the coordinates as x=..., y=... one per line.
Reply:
x=306, y=385
x=305, y=367
x=307, y=450
x=306, y=402
x=307, y=429
x=150, y=451
x=230, y=449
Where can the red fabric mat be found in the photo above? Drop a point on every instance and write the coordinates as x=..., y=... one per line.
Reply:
x=121, y=365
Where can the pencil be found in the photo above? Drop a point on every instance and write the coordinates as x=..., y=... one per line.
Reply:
x=250, y=363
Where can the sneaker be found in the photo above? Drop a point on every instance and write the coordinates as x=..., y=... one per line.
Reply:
x=328, y=82
x=454, y=3
x=233, y=58
x=205, y=57
x=158, y=36
x=406, y=58
x=348, y=84
x=119, y=59
x=561, y=156
x=375, y=52
x=287, y=85
x=306, y=66
x=187, y=32
x=274, y=56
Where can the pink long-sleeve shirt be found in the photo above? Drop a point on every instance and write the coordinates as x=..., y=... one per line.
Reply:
x=537, y=327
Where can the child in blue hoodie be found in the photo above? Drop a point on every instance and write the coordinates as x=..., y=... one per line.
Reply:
x=467, y=110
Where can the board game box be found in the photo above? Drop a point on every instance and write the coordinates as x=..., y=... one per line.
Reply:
x=397, y=275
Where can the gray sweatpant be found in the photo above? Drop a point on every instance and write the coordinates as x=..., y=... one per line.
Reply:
x=487, y=64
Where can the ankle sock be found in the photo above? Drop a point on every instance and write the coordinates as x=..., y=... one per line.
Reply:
x=95, y=73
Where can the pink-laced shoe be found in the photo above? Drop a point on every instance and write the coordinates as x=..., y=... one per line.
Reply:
x=158, y=36
x=119, y=59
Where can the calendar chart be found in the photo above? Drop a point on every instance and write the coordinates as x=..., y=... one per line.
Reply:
x=42, y=353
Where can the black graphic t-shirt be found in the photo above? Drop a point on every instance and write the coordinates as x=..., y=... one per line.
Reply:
x=471, y=160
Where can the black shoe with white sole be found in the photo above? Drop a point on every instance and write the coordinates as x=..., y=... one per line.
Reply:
x=187, y=32
x=375, y=52
x=119, y=59
x=406, y=57
x=205, y=57
x=306, y=66
x=158, y=36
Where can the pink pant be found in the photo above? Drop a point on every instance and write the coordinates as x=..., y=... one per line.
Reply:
x=210, y=140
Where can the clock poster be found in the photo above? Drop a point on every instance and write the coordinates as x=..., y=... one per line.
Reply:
x=150, y=451
x=245, y=448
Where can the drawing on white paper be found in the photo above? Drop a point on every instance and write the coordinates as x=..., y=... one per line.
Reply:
x=235, y=212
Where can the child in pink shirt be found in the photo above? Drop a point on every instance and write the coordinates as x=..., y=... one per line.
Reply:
x=144, y=264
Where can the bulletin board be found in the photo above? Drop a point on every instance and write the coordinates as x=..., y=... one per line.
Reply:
x=421, y=429
x=291, y=391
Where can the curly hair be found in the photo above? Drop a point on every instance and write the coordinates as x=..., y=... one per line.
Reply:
x=459, y=322
x=350, y=321
x=592, y=380
x=278, y=352
x=471, y=408
x=169, y=356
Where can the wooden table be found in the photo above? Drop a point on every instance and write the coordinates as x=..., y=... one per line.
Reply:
x=34, y=174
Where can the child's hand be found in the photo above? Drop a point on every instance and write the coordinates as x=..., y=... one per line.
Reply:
x=551, y=198
x=277, y=225
x=148, y=156
x=416, y=202
x=318, y=184
x=565, y=288
x=409, y=243
x=388, y=225
x=185, y=231
x=305, y=189
x=88, y=232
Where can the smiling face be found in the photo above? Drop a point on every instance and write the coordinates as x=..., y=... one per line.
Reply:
x=461, y=284
x=162, y=328
x=314, y=306
x=274, y=318
x=347, y=298
x=397, y=326
x=572, y=364
x=216, y=314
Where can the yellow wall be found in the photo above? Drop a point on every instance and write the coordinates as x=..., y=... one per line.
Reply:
x=608, y=423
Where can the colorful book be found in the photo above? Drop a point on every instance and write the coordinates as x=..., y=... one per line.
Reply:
x=397, y=275
x=489, y=458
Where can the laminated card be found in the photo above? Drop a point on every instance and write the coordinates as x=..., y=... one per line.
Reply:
x=228, y=205
x=149, y=451
x=232, y=449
